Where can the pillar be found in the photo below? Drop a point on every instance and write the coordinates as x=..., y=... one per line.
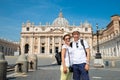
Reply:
x=22, y=45
x=60, y=43
x=31, y=45
x=39, y=45
x=53, y=46
x=48, y=45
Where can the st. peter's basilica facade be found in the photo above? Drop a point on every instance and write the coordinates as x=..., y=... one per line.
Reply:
x=47, y=39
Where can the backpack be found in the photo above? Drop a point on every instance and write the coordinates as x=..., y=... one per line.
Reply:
x=58, y=58
x=82, y=43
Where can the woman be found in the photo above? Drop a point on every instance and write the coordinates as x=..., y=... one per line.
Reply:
x=66, y=60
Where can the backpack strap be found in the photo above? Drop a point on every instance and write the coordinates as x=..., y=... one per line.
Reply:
x=70, y=44
x=82, y=43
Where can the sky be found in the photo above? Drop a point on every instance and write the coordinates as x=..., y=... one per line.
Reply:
x=15, y=12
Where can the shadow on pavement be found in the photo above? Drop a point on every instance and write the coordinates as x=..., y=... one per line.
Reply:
x=11, y=78
x=48, y=65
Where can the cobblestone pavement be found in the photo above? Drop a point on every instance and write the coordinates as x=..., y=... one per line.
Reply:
x=48, y=70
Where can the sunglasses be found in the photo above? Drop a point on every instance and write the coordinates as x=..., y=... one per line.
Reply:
x=77, y=45
x=67, y=38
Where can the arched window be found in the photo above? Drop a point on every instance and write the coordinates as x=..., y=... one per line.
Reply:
x=42, y=49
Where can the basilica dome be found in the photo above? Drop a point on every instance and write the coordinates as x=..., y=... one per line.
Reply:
x=86, y=24
x=60, y=21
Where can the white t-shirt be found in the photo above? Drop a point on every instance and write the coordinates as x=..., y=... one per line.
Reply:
x=68, y=50
x=79, y=55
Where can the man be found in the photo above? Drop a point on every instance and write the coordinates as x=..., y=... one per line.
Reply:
x=81, y=58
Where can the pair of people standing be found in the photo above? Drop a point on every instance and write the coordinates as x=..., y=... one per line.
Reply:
x=76, y=57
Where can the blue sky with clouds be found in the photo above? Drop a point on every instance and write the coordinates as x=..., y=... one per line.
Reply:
x=14, y=12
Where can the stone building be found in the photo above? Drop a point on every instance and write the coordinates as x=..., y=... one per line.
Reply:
x=109, y=39
x=8, y=47
x=47, y=39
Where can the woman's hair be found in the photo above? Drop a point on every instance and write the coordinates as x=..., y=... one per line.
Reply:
x=65, y=36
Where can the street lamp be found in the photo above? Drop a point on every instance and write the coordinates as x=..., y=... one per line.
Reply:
x=98, y=61
x=98, y=54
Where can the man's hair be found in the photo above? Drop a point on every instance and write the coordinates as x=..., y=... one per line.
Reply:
x=75, y=32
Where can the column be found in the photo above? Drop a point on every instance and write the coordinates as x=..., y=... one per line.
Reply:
x=31, y=45
x=60, y=43
x=22, y=45
x=48, y=45
x=39, y=45
x=117, y=50
x=53, y=45
x=105, y=51
x=101, y=50
x=108, y=52
x=108, y=49
x=112, y=51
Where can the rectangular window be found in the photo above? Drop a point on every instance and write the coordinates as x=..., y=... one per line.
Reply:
x=27, y=29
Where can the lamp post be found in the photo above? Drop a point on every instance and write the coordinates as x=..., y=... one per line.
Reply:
x=98, y=61
x=98, y=54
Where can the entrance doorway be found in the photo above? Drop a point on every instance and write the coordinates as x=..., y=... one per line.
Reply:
x=26, y=48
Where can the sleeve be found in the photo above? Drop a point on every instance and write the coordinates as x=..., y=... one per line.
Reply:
x=86, y=44
x=64, y=46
